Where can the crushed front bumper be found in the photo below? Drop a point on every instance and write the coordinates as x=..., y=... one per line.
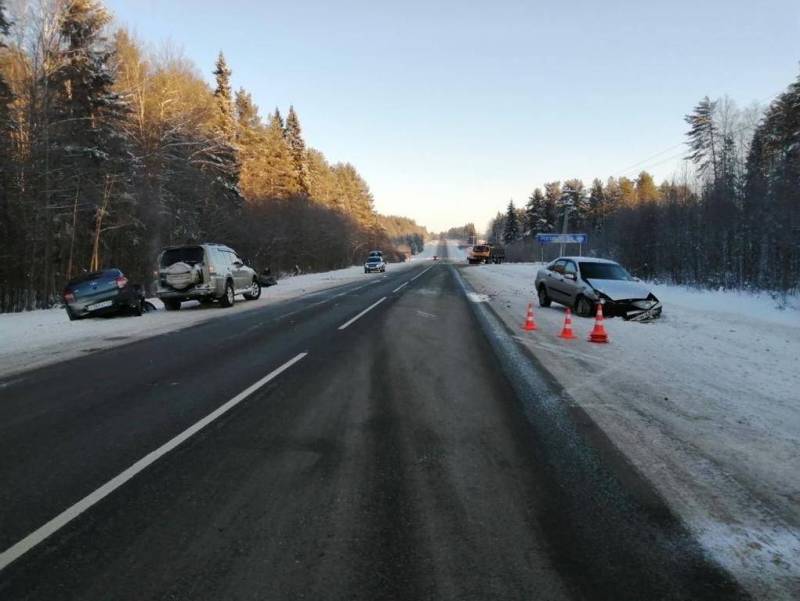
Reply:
x=628, y=310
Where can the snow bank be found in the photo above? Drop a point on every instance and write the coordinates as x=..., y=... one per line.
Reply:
x=36, y=338
x=705, y=402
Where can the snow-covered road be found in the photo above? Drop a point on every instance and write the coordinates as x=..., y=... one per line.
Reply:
x=705, y=402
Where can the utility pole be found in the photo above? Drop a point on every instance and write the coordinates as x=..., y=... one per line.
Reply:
x=564, y=228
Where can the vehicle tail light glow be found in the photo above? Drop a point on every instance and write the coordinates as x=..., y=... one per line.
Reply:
x=69, y=297
x=122, y=281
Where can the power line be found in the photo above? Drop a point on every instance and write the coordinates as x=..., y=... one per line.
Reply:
x=643, y=165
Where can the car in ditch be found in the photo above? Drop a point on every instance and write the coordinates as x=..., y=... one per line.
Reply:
x=102, y=293
x=205, y=272
x=582, y=282
x=375, y=263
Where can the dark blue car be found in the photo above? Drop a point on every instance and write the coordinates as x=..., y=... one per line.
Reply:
x=102, y=293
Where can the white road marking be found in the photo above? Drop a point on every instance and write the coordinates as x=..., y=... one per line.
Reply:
x=66, y=516
x=421, y=274
x=360, y=315
x=403, y=285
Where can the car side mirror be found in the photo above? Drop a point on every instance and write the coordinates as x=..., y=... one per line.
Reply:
x=570, y=276
x=635, y=279
x=237, y=263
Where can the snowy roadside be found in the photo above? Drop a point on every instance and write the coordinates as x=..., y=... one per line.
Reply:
x=705, y=402
x=37, y=338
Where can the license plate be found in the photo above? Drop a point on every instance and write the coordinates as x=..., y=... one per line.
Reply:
x=97, y=306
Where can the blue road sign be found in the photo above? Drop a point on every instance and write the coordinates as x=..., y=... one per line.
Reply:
x=562, y=238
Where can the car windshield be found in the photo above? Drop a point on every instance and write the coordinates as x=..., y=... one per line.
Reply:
x=374, y=260
x=603, y=271
x=480, y=249
x=185, y=254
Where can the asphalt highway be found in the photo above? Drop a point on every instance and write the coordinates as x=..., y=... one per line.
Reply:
x=361, y=443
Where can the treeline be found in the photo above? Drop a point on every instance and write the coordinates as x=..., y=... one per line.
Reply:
x=466, y=232
x=735, y=222
x=404, y=233
x=108, y=153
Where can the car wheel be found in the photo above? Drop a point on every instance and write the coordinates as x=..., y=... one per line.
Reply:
x=255, y=291
x=170, y=304
x=227, y=299
x=584, y=307
x=544, y=299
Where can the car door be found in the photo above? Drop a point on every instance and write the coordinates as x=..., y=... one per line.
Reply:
x=570, y=281
x=555, y=281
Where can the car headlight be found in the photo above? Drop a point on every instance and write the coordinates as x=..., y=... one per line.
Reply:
x=644, y=304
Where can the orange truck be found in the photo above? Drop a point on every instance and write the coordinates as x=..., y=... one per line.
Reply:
x=486, y=253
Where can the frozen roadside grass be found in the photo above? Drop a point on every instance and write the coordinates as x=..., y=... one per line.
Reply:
x=705, y=402
x=37, y=338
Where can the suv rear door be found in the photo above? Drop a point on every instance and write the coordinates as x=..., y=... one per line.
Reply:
x=241, y=275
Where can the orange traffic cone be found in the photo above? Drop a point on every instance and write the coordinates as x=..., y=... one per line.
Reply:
x=566, y=332
x=530, y=324
x=599, y=332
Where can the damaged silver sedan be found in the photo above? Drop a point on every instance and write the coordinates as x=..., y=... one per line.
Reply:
x=582, y=282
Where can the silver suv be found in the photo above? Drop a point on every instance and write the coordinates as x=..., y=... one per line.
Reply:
x=581, y=282
x=204, y=272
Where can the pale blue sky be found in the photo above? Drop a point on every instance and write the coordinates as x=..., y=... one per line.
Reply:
x=448, y=109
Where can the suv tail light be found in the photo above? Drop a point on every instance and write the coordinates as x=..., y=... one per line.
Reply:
x=122, y=281
x=69, y=297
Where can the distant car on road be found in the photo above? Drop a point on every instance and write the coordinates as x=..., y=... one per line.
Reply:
x=374, y=264
x=581, y=282
x=204, y=272
x=101, y=293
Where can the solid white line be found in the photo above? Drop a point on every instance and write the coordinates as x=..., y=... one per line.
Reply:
x=65, y=517
x=360, y=315
x=403, y=285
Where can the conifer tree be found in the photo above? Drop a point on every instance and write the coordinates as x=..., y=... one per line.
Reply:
x=573, y=202
x=552, y=195
x=536, y=213
x=703, y=137
x=646, y=189
x=297, y=148
x=597, y=205
x=277, y=118
x=224, y=98
x=277, y=178
x=88, y=151
x=511, y=226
